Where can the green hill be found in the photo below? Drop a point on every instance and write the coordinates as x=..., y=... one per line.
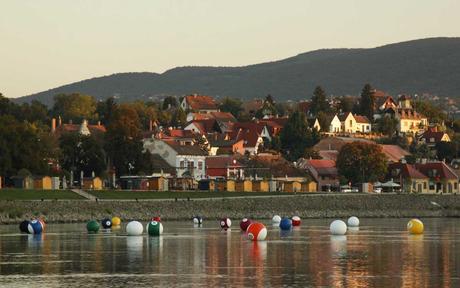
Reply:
x=419, y=66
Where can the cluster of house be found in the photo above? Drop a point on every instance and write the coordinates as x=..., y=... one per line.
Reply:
x=211, y=152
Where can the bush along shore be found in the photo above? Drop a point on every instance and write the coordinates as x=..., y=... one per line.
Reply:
x=305, y=206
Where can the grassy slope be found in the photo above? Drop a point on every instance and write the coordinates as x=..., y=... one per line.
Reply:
x=174, y=194
x=20, y=194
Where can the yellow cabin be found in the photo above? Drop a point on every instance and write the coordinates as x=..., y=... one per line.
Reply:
x=292, y=186
x=260, y=186
x=231, y=185
x=42, y=183
x=311, y=186
x=243, y=186
x=92, y=183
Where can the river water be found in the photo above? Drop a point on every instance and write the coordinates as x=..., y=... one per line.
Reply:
x=379, y=254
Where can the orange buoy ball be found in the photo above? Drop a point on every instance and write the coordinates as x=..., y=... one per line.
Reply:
x=244, y=224
x=116, y=221
x=225, y=223
x=257, y=231
x=415, y=226
x=156, y=219
x=42, y=222
x=296, y=221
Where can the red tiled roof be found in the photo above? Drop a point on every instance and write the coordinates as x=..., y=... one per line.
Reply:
x=204, y=126
x=394, y=153
x=441, y=168
x=321, y=163
x=221, y=116
x=76, y=128
x=222, y=162
x=200, y=102
x=436, y=135
x=361, y=119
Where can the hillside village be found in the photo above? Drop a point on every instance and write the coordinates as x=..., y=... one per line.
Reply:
x=372, y=143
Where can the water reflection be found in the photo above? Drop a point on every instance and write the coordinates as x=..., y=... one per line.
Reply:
x=380, y=254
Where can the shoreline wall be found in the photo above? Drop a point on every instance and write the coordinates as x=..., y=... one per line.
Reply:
x=305, y=206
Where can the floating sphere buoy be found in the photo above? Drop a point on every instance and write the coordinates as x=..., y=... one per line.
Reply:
x=34, y=227
x=92, y=226
x=338, y=227
x=154, y=228
x=116, y=221
x=285, y=223
x=106, y=223
x=24, y=226
x=353, y=221
x=415, y=226
x=276, y=219
x=296, y=221
x=257, y=231
x=134, y=228
x=244, y=224
x=156, y=218
x=225, y=223
x=197, y=220
x=42, y=222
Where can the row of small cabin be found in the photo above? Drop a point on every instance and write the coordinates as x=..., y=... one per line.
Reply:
x=52, y=183
x=230, y=185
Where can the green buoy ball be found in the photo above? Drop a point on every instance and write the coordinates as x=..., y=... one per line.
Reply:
x=154, y=228
x=92, y=226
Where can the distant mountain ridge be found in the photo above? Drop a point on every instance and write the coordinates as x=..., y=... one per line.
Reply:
x=419, y=66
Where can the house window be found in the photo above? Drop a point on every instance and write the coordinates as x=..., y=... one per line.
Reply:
x=432, y=140
x=182, y=164
x=190, y=164
x=200, y=165
x=424, y=185
x=455, y=186
x=351, y=122
x=368, y=128
x=413, y=185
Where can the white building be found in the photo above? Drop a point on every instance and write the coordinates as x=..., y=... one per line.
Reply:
x=187, y=159
x=336, y=125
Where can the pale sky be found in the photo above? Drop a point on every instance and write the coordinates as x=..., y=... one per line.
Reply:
x=48, y=43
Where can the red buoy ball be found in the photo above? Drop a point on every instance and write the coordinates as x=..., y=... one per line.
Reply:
x=244, y=224
x=257, y=231
x=296, y=221
x=225, y=223
x=156, y=219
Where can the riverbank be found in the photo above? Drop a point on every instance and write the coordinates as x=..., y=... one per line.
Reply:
x=306, y=206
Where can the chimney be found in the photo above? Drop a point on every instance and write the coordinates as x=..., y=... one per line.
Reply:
x=53, y=125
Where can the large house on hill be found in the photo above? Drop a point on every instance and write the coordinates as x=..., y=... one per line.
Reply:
x=350, y=123
x=199, y=103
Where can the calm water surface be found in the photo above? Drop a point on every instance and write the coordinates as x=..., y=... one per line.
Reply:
x=379, y=254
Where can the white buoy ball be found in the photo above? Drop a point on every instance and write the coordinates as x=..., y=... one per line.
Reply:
x=276, y=219
x=134, y=228
x=338, y=227
x=353, y=221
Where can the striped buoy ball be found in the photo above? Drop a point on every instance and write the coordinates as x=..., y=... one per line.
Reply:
x=134, y=228
x=106, y=223
x=35, y=227
x=276, y=219
x=24, y=226
x=415, y=226
x=257, y=231
x=296, y=221
x=285, y=223
x=353, y=221
x=156, y=218
x=197, y=220
x=244, y=224
x=154, y=228
x=338, y=227
x=116, y=221
x=225, y=223
x=92, y=226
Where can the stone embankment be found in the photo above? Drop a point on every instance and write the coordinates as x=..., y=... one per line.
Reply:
x=306, y=206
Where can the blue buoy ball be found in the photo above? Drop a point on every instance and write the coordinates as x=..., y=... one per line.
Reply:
x=35, y=227
x=106, y=223
x=285, y=223
x=24, y=226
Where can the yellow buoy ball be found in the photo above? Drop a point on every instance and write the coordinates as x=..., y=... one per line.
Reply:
x=116, y=221
x=415, y=226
